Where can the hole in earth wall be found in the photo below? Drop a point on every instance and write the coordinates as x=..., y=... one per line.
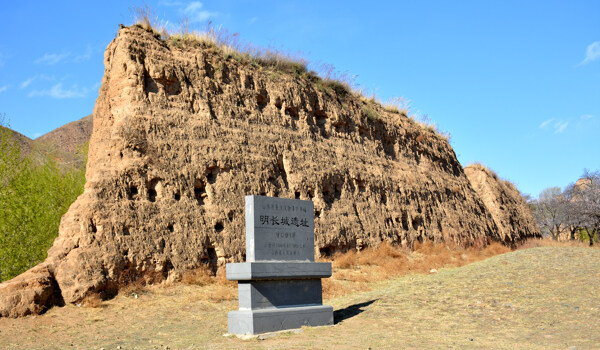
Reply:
x=292, y=111
x=261, y=101
x=154, y=186
x=211, y=259
x=211, y=174
x=92, y=226
x=405, y=221
x=199, y=191
x=326, y=251
x=416, y=222
x=132, y=192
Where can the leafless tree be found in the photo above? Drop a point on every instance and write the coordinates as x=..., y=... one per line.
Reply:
x=584, y=205
x=550, y=211
x=574, y=220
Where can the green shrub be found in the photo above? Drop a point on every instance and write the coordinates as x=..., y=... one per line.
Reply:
x=369, y=113
x=584, y=235
x=35, y=192
x=339, y=87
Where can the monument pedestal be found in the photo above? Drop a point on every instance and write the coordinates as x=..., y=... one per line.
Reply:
x=276, y=293
x=276, y=319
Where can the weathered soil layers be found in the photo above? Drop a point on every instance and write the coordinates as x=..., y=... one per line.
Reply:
x=503, y=200
x=182, y=133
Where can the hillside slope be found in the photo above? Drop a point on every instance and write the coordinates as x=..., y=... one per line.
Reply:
x=63, y=142
x=67, y=140
x=182, y=132
x=24, y=143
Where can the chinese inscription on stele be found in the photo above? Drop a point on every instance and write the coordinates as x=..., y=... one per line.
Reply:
x=279, y=229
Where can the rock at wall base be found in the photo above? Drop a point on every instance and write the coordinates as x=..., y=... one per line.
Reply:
x=30, y=293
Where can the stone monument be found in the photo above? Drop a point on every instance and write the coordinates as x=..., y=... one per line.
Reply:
x=279, y=285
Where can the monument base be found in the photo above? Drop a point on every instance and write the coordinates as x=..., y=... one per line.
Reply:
x=277, y=319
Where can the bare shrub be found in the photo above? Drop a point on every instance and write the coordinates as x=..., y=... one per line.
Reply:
x=92, y=300
x=426, y=123
x=132, y=282
x=397, y=105
x=144, y=17
x=345, y=260
x=200, y=277
x=216, y=287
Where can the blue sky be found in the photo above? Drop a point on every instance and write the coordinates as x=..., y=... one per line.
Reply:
x=516, y=83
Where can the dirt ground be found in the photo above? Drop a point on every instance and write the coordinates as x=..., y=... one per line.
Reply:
x=540, y=298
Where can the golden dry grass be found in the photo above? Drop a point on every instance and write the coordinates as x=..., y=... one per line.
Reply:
x=548, y=242
x=355, y=270
x=216, y=286
x=199, y=277
x=397, y=105
x=527, y=299
x=92, y=300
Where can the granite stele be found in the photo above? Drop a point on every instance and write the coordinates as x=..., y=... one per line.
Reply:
x=279, y=285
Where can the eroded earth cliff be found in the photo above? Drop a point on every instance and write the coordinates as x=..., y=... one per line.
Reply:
x=183, y=132
x=503, y=200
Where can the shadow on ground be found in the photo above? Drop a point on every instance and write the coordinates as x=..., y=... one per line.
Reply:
x=350, y=311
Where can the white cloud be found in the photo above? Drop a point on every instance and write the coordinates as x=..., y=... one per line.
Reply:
x=545, y=123
x=26, y=83
x=57, y=91
x=560, y=126
x=52, y=58
x=37, y=134
x=253, y=20
x=586, y=122
x=592, y=52
x=1, y=59
x=195, y=13
x=3, y=88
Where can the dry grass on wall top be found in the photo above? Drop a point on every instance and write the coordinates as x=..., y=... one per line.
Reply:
x=326, y=78
x=485, y=168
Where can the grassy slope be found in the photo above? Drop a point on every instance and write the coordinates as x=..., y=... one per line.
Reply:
x=541, y=298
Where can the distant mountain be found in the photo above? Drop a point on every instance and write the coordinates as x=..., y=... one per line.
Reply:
x=24, y=142
x=64, y=142
x=70, y=137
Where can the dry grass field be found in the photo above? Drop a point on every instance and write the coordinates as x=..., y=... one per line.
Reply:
x=538, y=298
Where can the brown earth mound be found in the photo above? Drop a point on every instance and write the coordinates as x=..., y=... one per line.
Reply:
x=503, y=200
x=182, y=134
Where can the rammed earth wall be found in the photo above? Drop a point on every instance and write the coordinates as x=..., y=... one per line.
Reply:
x=182, y=134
